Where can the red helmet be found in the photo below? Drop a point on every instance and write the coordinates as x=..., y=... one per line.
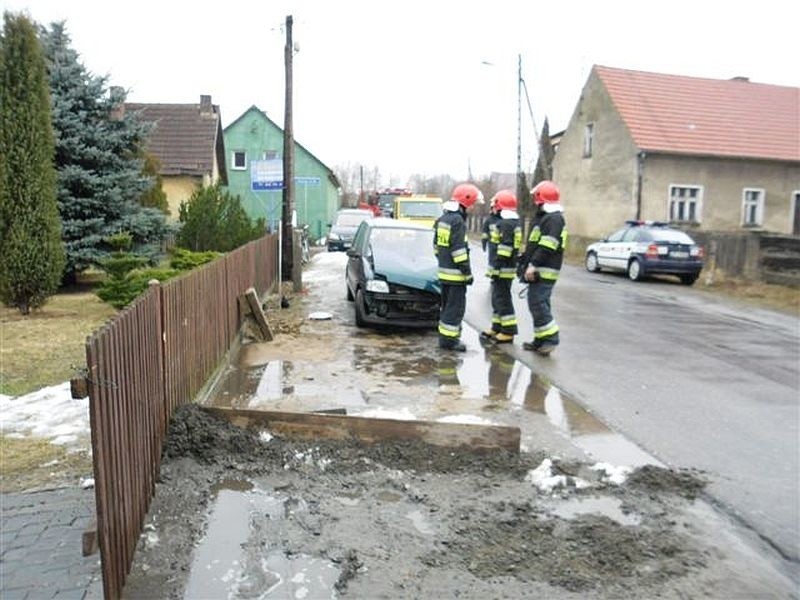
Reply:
x=466, y=195
x=545, y=192
x=505, y=200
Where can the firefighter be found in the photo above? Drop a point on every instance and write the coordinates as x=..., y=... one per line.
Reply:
x=486, y=230
x=541, y=263
x=505, y=240
x=452, y=252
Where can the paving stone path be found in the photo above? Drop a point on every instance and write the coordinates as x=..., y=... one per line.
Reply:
x=40, y=546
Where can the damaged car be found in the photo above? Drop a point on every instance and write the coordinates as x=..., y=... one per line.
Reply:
x=391, y=275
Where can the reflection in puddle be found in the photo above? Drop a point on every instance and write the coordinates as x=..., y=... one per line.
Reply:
x=221, y=567
x=602, y=505
x=437, y=386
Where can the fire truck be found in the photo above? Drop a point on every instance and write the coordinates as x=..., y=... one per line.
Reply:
x=384, y=199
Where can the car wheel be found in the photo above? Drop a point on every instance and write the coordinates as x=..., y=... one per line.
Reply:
x=591, y=263
x=635, y=270
x=689, y=279
x=360, y=309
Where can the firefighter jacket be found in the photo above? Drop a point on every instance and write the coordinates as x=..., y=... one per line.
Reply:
x=451, y=248
x=546, y=244
x=503, y=264
x=490, y=236
x=486, y=230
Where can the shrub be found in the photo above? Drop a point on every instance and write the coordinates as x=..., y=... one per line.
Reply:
x=213, y=219
x=121, y=292
x=185, y=260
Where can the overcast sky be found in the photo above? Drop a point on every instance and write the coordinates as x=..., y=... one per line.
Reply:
x=416, y=86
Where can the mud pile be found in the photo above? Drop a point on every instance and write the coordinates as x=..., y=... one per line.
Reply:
x=410, y=520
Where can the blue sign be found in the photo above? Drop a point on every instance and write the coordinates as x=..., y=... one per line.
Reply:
x=266, y=175
x=307, y=181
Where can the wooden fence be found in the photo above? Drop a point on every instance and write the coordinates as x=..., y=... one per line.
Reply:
x=152, y=357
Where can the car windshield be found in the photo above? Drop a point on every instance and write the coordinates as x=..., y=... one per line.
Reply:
x=420, y=209
x=351, y=219
x=670, y=235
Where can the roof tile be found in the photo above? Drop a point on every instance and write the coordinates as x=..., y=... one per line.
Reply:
x=184, y=138
x=690, y=115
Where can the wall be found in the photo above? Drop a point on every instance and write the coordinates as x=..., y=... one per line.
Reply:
x=179, y=188
x=598, y=192
x=315, y=204
x=723, y=182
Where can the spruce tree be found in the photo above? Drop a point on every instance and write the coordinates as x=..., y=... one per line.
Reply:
x=99, y=158
x=31, y=252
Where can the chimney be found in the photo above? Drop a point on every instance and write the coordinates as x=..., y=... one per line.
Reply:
x=741, y=78
x=205, y=105
x=117, y=96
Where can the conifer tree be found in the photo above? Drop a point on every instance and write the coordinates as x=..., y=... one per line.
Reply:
x=213, y=219
x=31, y=252
x=99, y=159
x=544, y=165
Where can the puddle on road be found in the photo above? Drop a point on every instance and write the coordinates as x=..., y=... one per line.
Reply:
x=221, y=568
x=408, y=383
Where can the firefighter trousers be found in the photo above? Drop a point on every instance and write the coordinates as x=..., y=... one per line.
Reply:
x=453, y=307
x=545, y=328
x=503, y=318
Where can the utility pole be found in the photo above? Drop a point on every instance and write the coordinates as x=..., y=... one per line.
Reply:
x=287, y=244
x=521, y=187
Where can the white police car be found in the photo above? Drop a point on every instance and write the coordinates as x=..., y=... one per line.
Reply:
x=643, y=248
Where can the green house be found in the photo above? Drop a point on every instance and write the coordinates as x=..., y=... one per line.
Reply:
x=254, y=144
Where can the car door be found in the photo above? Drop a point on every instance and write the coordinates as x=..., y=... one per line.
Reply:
x=609, y=250
x=354, y=272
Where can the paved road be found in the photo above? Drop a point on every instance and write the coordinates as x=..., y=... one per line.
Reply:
x=40, y=546
x=697, y=381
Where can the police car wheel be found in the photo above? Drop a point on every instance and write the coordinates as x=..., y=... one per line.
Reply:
x=591, y=263
x=635, y=271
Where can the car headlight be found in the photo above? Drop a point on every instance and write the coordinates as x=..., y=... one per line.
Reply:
x=378, y=285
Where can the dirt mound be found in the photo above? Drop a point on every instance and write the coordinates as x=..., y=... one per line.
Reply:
x=496, y=534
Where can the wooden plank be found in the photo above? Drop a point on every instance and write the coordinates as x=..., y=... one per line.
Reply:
x=369, y=430
x=89, y=540
x=79, y=388
x=258, y=314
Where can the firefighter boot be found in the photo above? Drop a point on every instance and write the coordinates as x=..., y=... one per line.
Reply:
x=503, y=338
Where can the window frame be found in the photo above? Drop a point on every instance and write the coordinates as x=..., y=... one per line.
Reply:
x=697, y=201
x=759, y=207
x=233, y=160
x=588, y=140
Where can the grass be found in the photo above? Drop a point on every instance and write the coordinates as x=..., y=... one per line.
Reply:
x=47, y=347
x=33, y=462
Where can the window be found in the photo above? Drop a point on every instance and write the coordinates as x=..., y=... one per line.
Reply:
x=752, y=207
x=270, y=155
x=239, y=160
x=685, y=203
x=617, y=235
x=588, y=140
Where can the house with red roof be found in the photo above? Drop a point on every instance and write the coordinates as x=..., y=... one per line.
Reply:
x=703, y=154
